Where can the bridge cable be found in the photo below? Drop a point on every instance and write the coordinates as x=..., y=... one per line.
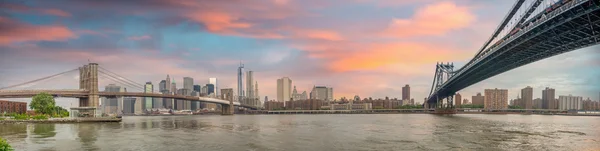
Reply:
x=40, y=79
x=120, y=76
x=530, y=10
x=120, y=81
x=507, y=19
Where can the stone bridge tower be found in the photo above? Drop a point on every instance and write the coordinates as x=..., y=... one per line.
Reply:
x=88, y=80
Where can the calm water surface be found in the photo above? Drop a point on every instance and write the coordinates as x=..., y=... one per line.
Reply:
x=314, y=132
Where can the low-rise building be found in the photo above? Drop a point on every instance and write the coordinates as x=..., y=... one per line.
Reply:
x=351, y=106
x=13, y=107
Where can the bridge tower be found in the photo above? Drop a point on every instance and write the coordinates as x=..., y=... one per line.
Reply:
x=227, y=94
x=443, y=72
x=88, y=80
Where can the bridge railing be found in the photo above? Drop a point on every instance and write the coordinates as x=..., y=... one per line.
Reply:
x=538, y=22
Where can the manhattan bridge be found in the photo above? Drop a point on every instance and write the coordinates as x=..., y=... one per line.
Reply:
x=531, y=31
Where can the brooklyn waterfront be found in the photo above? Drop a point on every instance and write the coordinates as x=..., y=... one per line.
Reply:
x=314, y=132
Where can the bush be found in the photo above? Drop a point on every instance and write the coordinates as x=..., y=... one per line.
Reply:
x=1, y=118
x=21, y=117
x=40, y=117
x=4, y=146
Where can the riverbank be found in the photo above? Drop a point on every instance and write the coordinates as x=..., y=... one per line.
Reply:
x=63, y=120
x=399, y=111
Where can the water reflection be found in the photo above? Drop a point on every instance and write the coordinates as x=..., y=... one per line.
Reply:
x=88, y=135
x=314, y=132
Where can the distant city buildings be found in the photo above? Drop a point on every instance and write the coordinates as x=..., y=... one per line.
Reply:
x=249, y=93
x=284, y=89
x=478, y=99
x=496, y=99
x=570, y=102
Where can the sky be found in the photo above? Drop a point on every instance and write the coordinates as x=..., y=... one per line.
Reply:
x=370, y=48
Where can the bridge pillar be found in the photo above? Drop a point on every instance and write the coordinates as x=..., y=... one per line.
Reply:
x=88, y=80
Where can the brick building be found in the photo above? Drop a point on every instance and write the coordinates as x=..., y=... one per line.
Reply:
x=13, y=107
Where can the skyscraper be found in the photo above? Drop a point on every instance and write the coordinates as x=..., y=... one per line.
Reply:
x=188, y=83
x=162, y=86
x=148, y=88
x=548, y=99
x=173, y=87
x=256, y=90
x=406, y=92
x=249, y=93
x=240, y=86
x=198, y=88
x=210, y=89
x=527, y=98
x=322, y=93
x=496, y=99
x=110, y=105
x=215, y=84
x=478, y=99
x=284, y=89
x=168, y=84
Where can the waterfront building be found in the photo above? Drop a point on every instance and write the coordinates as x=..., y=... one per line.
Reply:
x=110, y=105
x=478, y=99
x=570, y=102
x=322, y=93
x=458, y=99
x=351, y=106
x=496, y=99
x=526, y=101
x=13, y=107
x=465, y=101
x=406, y=92
x=537, y=103
x=548, y=99
x=284, y=89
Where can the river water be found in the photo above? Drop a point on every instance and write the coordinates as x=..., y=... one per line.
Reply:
x=314, y=133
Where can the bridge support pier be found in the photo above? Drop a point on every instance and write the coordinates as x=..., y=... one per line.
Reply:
x=227, y=94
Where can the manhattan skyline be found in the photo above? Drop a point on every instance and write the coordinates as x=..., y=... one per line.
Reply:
x=374, y=56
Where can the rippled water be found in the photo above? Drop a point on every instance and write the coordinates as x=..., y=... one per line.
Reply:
x=315, y=132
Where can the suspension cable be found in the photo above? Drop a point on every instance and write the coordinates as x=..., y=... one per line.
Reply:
x=40, y=79
x=120, y=81
x=119, y=76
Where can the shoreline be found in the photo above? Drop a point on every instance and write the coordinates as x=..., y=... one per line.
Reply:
x=63, y=121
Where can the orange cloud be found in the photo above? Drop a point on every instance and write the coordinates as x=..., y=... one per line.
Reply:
x=218, y=21
x=14, y=31
x=143, y=37
x=432, y=20
x=26, y=9
x=377, y=56
x=321, y=34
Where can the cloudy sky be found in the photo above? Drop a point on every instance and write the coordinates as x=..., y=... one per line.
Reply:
x=358, y=47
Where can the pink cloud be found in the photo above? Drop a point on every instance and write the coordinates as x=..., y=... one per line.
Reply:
x=136, y=38
x=19, y=32
x=432, y=20
x=218, y=21
x=26, y=9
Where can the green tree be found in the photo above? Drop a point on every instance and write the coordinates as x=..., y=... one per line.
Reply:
x=43, y=103
x=4, y=146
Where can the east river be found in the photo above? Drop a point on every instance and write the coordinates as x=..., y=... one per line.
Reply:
x=314, y=133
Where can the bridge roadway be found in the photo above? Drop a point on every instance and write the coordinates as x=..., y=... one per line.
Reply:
x=78, y=93
x=570, y=27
